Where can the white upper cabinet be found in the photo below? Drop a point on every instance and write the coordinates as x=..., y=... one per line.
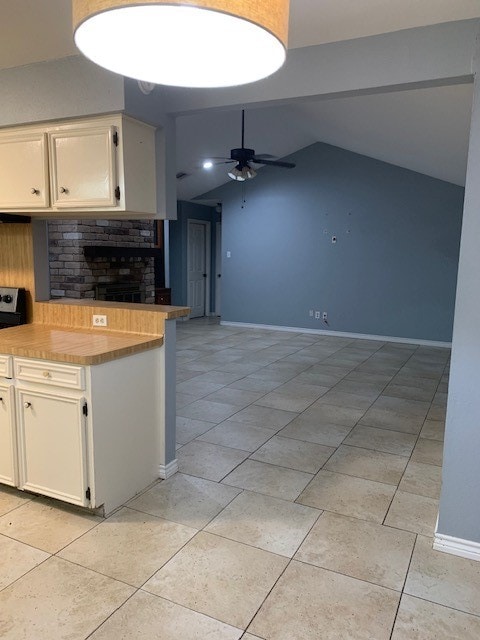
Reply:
x=102, y=167
x=83, y=172
x=23, y=171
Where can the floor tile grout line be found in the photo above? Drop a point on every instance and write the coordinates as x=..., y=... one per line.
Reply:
x=402, y=590
x=111, y=614
x=7, y=586
x=444, y=606
x=346, y=575
x=99, y=573
x=154, y=595
x=189, y=525
x=252, y=546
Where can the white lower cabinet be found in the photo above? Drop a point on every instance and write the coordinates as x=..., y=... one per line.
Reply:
x=51, y=431
x=87, y=435
x=8, y=450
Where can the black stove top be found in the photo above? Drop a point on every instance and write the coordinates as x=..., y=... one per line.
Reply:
x=12, y=307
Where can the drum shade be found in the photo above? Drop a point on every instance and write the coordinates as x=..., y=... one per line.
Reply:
x=201, y=43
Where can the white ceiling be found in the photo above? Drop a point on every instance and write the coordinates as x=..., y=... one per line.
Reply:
x=37, y=30
x=319, y=21
x=424, y=130
x=34, y=31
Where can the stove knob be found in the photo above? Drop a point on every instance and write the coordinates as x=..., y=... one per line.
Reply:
x=7, y=299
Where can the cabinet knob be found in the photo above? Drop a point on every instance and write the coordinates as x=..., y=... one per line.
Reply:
x=63, y=190
x=27, y=405
x=34, y=192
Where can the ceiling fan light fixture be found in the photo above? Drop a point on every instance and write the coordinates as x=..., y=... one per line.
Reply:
x=237, y=174
x=242, y=173
x=159, y=40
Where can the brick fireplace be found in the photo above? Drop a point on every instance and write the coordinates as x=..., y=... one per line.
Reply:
x=74, y=275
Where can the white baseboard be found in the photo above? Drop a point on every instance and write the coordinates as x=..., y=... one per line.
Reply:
x=165, y=471
x=339, y=334
x=457, y=546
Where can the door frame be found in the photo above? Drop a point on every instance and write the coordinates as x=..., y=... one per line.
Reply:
x=208, y=261
x=218, y=267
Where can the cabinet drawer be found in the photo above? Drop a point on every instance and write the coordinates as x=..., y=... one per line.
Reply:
x=51, y=373
x=6, y=367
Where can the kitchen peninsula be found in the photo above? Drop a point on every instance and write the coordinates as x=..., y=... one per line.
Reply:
x=87, y=413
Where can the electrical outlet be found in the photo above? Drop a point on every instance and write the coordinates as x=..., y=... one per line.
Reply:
x=317, y=315
x=310, y=313
x=324, y=316
x=99, y=321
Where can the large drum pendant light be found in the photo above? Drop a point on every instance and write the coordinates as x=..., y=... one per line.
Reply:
x=184, y=43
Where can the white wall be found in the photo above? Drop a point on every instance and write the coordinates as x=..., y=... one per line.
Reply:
x=66, y=88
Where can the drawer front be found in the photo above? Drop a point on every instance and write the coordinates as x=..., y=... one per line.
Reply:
x=51, y=373
x=6, y=369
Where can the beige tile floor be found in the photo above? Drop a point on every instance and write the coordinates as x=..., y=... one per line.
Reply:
x=310, y=471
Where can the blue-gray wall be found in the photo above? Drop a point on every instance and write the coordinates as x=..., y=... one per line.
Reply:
x=392, y=271
x=459, y=514
x=178, y=249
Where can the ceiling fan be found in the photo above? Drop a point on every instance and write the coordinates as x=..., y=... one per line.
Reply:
x=243, y=158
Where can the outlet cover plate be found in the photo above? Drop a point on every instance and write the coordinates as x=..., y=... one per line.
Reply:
x=99, y=321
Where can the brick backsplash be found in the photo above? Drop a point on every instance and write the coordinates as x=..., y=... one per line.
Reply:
x=74, y=276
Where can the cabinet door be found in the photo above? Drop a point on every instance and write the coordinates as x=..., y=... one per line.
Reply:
x=52, y=445
x=23, y=172
x=8, y=455
x=82, y=163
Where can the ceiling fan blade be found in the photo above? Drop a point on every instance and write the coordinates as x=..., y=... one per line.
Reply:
x=274, y=163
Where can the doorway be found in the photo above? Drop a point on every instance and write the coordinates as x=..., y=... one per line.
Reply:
x=198, y=267
x=218, y=268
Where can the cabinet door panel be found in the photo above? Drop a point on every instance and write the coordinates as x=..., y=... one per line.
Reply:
x=52, y=445
x=23, y=172
x=8, y=471
x=83, y=168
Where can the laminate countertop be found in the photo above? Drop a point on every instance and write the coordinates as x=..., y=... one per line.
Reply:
x=76, y=346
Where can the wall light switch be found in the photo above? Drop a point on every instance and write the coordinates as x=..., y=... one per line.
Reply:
x=229, y=254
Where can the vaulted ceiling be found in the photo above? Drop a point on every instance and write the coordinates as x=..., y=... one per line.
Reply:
x=424, y=130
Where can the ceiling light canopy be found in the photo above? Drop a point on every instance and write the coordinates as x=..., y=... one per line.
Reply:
x=183, y=42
